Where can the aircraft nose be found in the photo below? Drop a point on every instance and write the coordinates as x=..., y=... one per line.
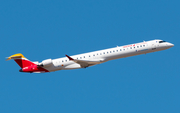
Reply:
x=170, y=45
x=20, y=70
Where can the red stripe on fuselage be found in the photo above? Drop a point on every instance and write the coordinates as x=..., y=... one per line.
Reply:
x=34, y=68
x=42, y=69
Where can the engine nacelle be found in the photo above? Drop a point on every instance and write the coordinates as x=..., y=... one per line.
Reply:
x=46, y=63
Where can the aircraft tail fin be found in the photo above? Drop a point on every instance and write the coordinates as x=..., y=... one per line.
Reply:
x=20, y=60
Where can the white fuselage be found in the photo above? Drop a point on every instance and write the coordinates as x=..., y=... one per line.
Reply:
x=101, y=56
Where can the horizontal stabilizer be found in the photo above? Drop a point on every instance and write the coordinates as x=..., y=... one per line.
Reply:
x=16, y=56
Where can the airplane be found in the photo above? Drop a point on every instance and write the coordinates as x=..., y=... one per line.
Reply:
x=89, y=59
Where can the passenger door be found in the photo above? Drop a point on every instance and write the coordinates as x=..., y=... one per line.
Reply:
x=153, y=46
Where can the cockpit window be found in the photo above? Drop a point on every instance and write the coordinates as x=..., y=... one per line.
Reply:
x=162, y=41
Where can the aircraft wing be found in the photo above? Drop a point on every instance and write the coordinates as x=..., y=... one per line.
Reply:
x=85, y=63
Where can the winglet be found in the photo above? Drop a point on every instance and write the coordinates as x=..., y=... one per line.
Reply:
x=69, y=57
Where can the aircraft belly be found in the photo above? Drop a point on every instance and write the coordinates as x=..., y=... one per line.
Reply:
x=72, y=66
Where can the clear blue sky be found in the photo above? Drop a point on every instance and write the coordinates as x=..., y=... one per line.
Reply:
x=42, y=29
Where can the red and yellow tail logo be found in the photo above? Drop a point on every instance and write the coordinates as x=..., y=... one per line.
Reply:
x=25, y=64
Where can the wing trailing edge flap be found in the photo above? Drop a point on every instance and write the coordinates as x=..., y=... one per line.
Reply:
x=86, y=63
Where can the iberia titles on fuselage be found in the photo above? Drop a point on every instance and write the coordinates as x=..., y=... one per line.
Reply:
x=89, y=59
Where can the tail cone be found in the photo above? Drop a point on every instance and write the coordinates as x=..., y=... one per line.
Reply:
x=20, y=70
